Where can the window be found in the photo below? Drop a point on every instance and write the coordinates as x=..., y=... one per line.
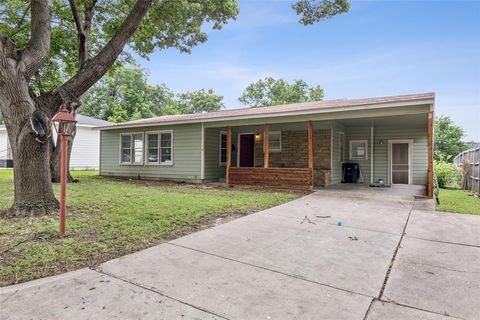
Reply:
x=341, y=146
x=275, y=141
x=126, y=152
x=131, y=148
x=223, y=148
x=358, y=150
x=166, y=147
x=137, y=148
x=152, y=147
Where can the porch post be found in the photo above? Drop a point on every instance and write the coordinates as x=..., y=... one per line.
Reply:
x=229, y=153
x=310, y=152
x=430, y=155
x=266, y=142
x=310, y=145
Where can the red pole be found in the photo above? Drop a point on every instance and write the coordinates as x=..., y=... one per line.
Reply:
x=63, y=182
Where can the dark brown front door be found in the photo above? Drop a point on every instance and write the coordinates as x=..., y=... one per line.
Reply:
x=246, y=150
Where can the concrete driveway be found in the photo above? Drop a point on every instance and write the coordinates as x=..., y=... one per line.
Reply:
x=390, y=259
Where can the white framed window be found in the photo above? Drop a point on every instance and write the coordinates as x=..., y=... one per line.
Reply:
x=358, y=149
x=223, y=148
x=152, y=147
x=166, y=147
x=275, y=141
x=131, y=148
x=159, y=147
x=341, y=146
x=125, y=148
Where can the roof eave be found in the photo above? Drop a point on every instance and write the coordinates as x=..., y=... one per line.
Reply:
x=428, y=101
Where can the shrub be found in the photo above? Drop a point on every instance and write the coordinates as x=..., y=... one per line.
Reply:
x=448, y=174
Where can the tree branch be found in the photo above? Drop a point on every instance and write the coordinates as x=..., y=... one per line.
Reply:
x=20, y=21
x=82, y=38
x=37, y=48
x=95, y=68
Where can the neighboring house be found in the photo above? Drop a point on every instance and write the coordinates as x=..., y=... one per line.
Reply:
x=86, y=147
x=297, y=145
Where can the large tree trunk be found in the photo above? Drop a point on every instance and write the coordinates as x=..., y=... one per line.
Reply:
x=27, y=117
x=30, y=150
x=33, y=189
x=27, y=124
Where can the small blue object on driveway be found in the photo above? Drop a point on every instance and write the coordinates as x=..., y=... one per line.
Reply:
x=339, y=223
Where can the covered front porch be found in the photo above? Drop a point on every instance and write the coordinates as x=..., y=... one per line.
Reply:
x=303, y=155
x=279, y=155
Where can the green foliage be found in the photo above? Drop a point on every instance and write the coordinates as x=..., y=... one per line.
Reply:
x=448, y=174
x=124, y=217
x=176, y=24
x=270, y=92
x=458, y=201
x=448, y=143
x=199, y=101
x=311, y=11
x=124, y=95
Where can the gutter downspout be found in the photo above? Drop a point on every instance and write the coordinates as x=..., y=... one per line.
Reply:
x=371, y=153
x=202, y=155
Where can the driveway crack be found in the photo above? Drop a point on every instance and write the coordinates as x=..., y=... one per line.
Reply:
x=390, y=267
x=159, y=293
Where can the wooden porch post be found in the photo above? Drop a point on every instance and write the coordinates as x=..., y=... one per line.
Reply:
x=310, y=145
x=266, y=142
x=229, y=153
x=430, y=155
x=310, y=150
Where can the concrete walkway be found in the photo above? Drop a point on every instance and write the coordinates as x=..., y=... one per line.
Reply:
x=388, y=260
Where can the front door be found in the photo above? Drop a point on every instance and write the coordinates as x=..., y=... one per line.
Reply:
x=247, y=144
x=400, y=161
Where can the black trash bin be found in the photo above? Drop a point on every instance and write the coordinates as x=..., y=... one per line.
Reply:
x=351, y=172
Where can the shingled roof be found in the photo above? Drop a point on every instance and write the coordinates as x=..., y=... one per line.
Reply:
x=278, y=110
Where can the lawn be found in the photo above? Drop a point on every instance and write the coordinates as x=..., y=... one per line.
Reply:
x=458, y=201
x=108, y=218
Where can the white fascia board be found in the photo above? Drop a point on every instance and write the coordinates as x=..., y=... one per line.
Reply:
x=278, y=114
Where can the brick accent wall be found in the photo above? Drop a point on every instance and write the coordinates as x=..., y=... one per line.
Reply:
x=294, y=153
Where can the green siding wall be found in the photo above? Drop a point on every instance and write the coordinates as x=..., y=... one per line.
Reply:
x=213, y=170
x=186, y=155
x=359, y=133
x=419, y=152
x=380, y=149
x=336, y=174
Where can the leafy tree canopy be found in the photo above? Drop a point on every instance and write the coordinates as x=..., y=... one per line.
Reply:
x=318, y=10
x=124, y=94
x=169, y=24
x=199, y=101
x=270, y=91
x=448, y=139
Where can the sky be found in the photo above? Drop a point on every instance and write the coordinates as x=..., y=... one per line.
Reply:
x=378, y=48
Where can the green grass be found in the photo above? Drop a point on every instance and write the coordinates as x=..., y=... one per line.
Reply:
x=458, y=201
x=108, y=218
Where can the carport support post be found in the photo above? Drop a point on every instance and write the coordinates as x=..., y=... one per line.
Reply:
x=229, y=153
x=430, y=155
x=266, y=142
x=310, y=149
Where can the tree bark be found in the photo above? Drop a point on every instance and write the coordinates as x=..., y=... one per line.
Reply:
x=28, y=131
x=27, y=126
x=27, y=118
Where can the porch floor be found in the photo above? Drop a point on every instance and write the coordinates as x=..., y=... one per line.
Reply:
x=408, y=190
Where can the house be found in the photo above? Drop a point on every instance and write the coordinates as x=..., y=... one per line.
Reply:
x=86, y=148
x=300, y=145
